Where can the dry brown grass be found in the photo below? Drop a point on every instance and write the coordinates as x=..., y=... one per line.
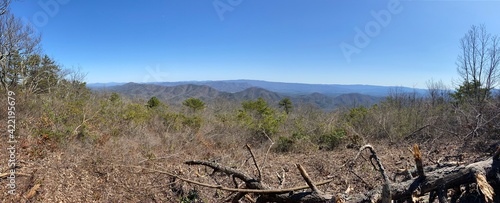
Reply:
x=81, y=172
x=93, y=167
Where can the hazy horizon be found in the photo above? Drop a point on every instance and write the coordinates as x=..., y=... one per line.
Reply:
x=196, y=81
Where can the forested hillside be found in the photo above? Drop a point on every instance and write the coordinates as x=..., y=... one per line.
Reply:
x=174, y=95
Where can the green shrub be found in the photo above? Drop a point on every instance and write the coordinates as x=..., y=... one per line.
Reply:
x=194, y=104
x=298, y=141
x=284, y=144
x=153, y=102
x=51, y=135
x=136, y=113
x=178, y=121
x=173, y=121
x=192, y=197
x=194, y=122
x=260, y=118
x=356, y=116
x=330, y=140
x=115, y=98
x=286, y=104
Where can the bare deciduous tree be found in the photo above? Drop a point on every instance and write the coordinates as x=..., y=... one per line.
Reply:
x=478, y=62
x=438, y=92
x=3, y=6
x=17, y=42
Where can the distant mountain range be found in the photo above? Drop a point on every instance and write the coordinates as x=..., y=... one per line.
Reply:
x=232, y=86
x=326, y=97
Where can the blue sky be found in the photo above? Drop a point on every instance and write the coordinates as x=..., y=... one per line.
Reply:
x=405, y=42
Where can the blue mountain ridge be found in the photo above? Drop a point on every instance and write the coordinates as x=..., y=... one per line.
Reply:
x=293, y=89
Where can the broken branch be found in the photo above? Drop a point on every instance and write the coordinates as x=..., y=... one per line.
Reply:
x=485, y=187
x=418, y=161
x=254, y=162
x=307, y=179
x=256, y=191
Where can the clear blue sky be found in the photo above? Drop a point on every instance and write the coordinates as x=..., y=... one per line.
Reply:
x=409, y=43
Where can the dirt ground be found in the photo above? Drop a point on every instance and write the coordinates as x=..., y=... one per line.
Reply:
x=108, y=172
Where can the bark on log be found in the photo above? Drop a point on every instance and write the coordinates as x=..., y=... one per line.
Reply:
x=267, y=195
x=418, y=161
x=448, y=177
x=251, y=183
x=435, y=183
x=440, y=179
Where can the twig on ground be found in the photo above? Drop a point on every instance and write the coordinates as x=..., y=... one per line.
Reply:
x=268, y=150
x=220, y=187
x=308, y=180
x=157, y=158
x=4, y=175
x=281, y=178
x=386, y=191
x=255, y=162
x=33, y=191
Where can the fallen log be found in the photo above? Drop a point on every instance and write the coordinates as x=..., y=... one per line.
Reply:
x=446, y=178
x=440, y=180
x=270, y=195
x=434, y=183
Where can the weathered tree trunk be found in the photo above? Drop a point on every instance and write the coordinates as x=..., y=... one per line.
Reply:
x=440, y=181
x=448, y=177
x=435, y=182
